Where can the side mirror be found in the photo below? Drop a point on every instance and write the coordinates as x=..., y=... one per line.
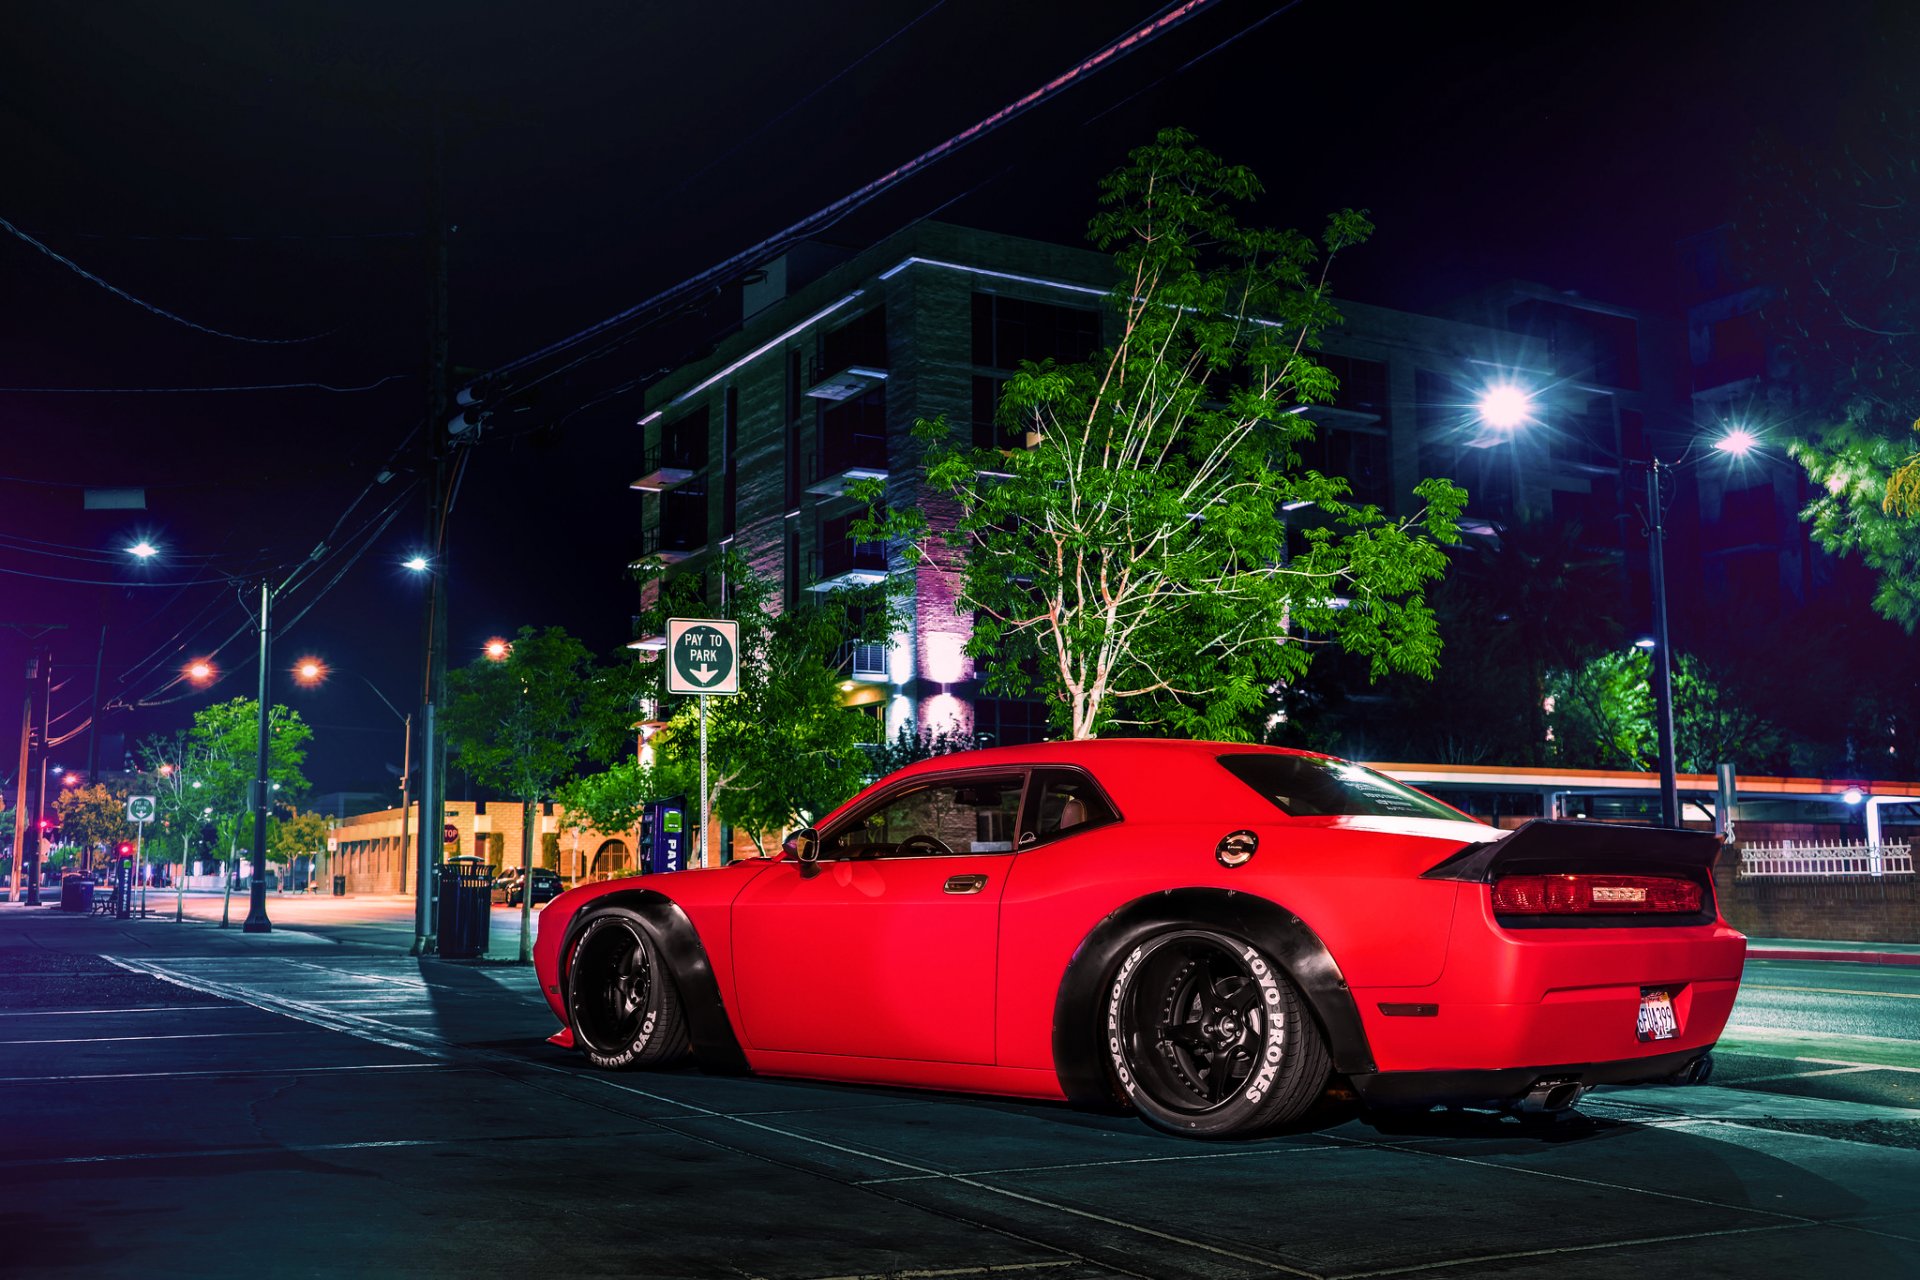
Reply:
x=803, y=845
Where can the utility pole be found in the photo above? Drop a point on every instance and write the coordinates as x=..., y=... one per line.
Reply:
x=257, y=921
x=93, y=712
x=1662, y=646
x=20, y=804
x=433, y=677
x=46, y=754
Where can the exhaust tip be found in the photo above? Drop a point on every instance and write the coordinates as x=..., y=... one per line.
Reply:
x=1549, y=1096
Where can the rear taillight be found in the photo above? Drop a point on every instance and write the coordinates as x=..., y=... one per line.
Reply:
x=1582, y=895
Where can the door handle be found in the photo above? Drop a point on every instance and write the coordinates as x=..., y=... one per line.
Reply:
x=966, y=884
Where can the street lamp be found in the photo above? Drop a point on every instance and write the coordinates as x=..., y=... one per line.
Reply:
x=498, y=650
x=200, y=671
x=313, y=671
x=1505, y=406
x=417, y=564
x=143, y=549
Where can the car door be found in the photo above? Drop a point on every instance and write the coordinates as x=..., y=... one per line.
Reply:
x=885, y=947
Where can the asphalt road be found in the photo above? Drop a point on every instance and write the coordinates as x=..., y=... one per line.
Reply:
x=189, y=1101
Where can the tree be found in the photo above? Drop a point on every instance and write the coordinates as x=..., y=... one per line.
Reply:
x=612, y=800
x=1132, y=559
x=224, y=744
x=299, y=835
x=785, y=750
x=93, y=817
x=1837, y=233
x=1603, y=717
x=521, y=724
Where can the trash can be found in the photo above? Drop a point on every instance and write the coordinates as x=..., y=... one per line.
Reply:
x=76, y=894
x=339, y=886
x=466, y=908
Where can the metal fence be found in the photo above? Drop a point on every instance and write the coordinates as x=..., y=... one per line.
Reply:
x=1847, y=861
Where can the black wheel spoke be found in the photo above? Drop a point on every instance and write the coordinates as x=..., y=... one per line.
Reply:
x=1187, y=1035
x=1219, y=1078
x=1245, y=1000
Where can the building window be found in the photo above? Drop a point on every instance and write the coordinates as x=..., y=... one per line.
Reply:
x=684, y=442
x=1007, y=331
x=854, y=434
x=1363, y=458
x=792, y=592
x=861, y=341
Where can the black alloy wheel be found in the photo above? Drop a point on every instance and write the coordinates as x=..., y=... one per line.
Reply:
x=621, y=1001
x=1207, y=1037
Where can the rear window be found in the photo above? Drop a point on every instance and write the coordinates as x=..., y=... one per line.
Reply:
x=1315, y=787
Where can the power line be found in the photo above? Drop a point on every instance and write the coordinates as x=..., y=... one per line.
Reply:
x=1162, y=22
x=180, y=391
x=144, y=305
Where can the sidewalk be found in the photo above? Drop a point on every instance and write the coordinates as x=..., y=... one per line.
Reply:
x=1901, y=953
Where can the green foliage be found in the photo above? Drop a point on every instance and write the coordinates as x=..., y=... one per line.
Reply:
x=303, y=833
x=785, y=750
x=911, y=745
x=1132, y=560
x=549, y=850
x=1836, y=228
x=613, y=799
x=221, y=753
x=92, y=817
x=521, y=725
x=1603, y=718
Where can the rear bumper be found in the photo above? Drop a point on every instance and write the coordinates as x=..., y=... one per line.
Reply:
x=1523, y=1000
x=1504, y=1087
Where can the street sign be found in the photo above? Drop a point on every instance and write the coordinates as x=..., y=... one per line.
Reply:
x=140, y=809
x=703, y=655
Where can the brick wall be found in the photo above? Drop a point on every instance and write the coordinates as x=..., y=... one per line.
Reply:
x=1887, y=910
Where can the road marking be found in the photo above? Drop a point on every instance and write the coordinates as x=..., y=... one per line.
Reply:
x=1805, y=1075
x=991, y=1269
x=237, y=1071
x=1835, y=991
x=298, y=1148
x=1571, y=1248
x=201, y=1035
x=95, y=1013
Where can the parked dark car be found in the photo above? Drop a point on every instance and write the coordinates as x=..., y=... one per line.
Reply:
x=547, y=886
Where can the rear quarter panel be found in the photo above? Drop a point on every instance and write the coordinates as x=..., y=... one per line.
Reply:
x=1359, y=891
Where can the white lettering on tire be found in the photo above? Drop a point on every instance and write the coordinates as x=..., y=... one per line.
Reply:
x=1115, y=1050
x=1275, y=1028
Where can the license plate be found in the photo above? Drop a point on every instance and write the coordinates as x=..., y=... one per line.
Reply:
x=1656, y=1015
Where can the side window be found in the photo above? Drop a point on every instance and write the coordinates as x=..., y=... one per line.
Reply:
x=1062, y=801
x=941, y=818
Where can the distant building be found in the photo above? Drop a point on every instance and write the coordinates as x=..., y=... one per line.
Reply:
x=368, y=850
x=753, y=446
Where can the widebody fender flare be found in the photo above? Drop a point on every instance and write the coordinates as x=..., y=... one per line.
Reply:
x=715, y=1047
x=1079, y=1051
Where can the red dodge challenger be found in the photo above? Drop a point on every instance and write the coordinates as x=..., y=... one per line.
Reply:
x=1215, y=935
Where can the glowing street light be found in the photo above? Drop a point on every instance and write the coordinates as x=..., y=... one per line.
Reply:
x=69, y=779
x=1505, y=406
x=417, y=563
x=1853, y=795
x=1738, y=442
x=498, y=650
x=310, y=671
x=1646, y=642
x=143, y=549
x=200, y=671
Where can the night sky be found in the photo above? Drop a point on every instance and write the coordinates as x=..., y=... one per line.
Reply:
x=261, y=170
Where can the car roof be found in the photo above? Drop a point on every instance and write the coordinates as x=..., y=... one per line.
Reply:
x=1150, y=779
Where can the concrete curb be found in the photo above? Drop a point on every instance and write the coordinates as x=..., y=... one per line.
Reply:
x=1837, y=956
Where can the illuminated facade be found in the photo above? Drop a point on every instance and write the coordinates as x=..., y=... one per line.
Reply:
x=753, y=446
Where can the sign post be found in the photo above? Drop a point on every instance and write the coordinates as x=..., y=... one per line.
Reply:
x=140, y=811
x=703, y=659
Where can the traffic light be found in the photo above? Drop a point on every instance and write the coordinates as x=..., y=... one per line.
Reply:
x=126, y=849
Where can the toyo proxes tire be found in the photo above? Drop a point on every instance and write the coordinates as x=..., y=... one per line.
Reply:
x=621, y=1001
x=1207, y=1038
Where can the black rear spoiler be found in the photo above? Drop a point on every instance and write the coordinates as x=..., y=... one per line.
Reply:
x=1549, y=847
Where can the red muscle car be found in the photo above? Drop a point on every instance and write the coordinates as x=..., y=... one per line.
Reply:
x=1216, y=935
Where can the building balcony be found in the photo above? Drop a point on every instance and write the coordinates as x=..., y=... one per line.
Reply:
x=663, y=470
x=850, y=564
x=844, y=383
x=847, y=458
x=670, y=544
